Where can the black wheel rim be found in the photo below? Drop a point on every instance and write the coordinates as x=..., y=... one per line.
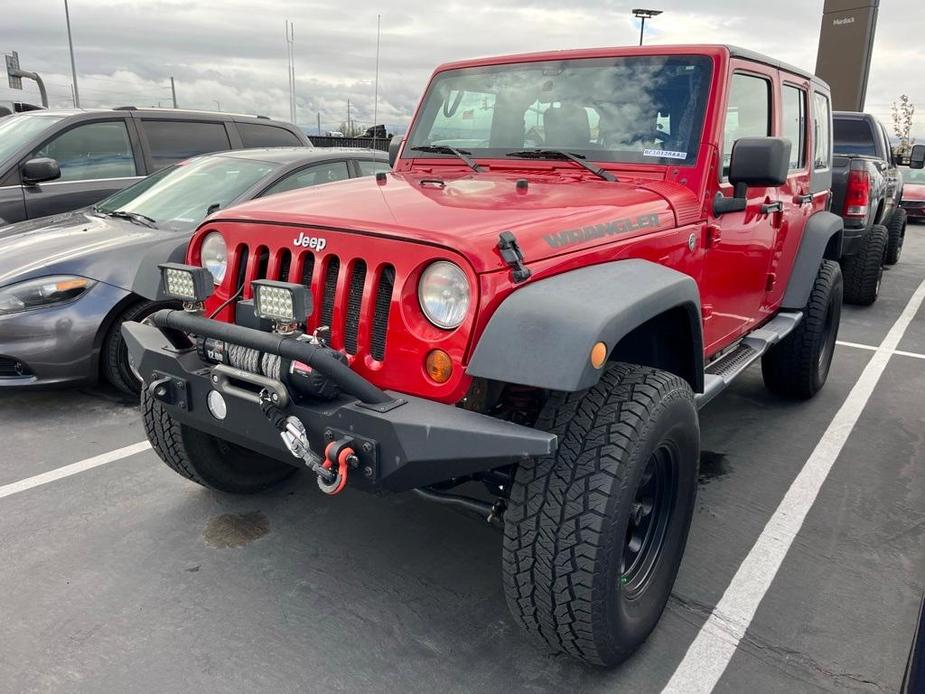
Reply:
x=650, y=515
x=828, y=345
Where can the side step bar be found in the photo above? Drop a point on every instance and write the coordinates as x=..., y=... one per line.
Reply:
x=720, y=373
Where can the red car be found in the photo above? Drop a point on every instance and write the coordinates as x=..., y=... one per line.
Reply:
x=574, y=252
x=913, y=200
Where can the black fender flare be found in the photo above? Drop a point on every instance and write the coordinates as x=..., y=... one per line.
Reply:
x=542, y=334
x=822, y=239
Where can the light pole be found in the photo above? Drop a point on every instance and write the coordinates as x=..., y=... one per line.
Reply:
x=70, y=45
x=644, y=15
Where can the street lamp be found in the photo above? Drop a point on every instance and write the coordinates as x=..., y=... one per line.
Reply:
x=644, y=15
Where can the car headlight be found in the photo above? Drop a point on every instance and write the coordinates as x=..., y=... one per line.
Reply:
x=444, y=294
x=41, y=292
x=214, y=255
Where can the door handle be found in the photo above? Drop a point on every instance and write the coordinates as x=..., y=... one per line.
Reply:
x=803, y=199
x=769, y=207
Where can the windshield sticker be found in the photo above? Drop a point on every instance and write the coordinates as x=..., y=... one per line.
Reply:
x=664, y=153
x=570, y=237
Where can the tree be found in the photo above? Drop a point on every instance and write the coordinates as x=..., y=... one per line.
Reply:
x=351, y=129
x=903, y=110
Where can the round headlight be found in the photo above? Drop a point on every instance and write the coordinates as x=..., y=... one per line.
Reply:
x=214, y=254
x=444, y=294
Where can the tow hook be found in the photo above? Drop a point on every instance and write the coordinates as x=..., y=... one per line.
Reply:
x=292, y=431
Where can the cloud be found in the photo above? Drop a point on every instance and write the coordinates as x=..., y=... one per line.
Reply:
x=233, y=52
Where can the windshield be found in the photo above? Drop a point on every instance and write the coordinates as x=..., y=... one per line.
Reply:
x=179, y=197
x=916, y=176
x=16, y=131
x=640, y=109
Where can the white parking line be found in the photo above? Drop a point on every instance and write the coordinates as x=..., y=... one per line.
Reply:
x=73, y=469
x=715, y=644
x=902, y=353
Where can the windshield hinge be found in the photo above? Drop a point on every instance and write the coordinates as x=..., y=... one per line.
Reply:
x=513, y=256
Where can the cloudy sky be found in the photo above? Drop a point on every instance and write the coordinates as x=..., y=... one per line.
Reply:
x=232, y=53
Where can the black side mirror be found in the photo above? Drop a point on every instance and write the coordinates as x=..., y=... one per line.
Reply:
x=394, y=147
x=757, y=162
x=917, y=158
x=40, y=170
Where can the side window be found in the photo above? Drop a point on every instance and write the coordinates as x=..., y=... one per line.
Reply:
x=822, y=122
x=173, y=140
x=368, y=168
x=327, y=172
x=748, y=113
x=794, y=125
x=92, y=151
x=254, y=135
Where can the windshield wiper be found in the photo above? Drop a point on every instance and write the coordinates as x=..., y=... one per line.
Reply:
x=445, y=149
x=135, y=217
x=565, y=156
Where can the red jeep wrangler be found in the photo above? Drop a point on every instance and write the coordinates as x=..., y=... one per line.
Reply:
x=575, y=251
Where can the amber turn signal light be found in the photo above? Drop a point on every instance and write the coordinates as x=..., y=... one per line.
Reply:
x=439, y=366
x=598, y=355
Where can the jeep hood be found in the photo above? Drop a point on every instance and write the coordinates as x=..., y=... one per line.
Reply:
x=467, y=212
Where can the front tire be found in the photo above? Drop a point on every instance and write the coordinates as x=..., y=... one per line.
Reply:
x=114, y=361
x=864, y=270
x=896, y=235
x=798, y=365
x=205, y=459
x=595, y=533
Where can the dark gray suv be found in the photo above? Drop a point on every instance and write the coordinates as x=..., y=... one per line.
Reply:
x=57, y=161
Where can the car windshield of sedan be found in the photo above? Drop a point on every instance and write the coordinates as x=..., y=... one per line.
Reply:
x=179, y=197
x=18, y=130
x=641, y=109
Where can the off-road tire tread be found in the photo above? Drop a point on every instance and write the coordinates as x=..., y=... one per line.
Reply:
x=555, y=521
x=167, y=439
x=896, y=230
x=862, y=269
x=789, y=367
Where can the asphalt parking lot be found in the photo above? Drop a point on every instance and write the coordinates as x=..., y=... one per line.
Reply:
x=124, y=577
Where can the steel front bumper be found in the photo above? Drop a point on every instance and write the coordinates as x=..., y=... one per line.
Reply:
x=402, y=442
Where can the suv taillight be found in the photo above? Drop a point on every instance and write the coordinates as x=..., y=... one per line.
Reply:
x=857, y=194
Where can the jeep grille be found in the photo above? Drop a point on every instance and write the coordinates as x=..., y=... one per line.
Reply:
x=337, y=293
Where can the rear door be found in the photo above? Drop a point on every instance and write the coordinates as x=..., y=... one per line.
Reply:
x=739, y=250
x=97, y=158
x=266, y=135
x=168, y=141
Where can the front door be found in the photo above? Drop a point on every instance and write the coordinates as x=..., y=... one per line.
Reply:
x=739, y=245
x=96, y=160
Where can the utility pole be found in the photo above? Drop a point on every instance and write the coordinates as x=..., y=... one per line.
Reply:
x=70, y=44
x=347, y=134
x=376, y=89
x=644, y=15
x=173, y=91
x=290, y=55
x=319, y=122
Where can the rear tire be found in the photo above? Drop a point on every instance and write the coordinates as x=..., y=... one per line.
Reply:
x=896, y=235
x=114, y=363
x=595, y=533
x=205, y=459
x=864, y=270
x=798, y=365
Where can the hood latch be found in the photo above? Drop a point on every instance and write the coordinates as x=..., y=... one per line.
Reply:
x=513, y=256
